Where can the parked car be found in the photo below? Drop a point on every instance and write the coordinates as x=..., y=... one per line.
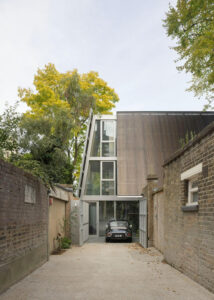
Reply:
x=118, y=230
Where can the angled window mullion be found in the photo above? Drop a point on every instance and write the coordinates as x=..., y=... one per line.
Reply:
x=101, y=138
x=101, y=175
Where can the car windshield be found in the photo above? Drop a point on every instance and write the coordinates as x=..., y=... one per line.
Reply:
x=119, y=224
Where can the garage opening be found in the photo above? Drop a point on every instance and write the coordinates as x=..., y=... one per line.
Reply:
x=100, y=212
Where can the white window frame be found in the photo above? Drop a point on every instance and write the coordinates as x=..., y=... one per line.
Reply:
x=105, y=141
x=191, y=190
x=191, y=175
x=101, y=175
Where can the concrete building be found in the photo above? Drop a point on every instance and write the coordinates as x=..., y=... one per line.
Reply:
x=121, y=151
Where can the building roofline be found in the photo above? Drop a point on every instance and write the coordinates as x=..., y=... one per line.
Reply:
x=67, y=188
x=168, y=112
x=207, y=130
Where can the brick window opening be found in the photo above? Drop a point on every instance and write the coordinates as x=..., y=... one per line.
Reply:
x=190, y=180
x=192, y=191
x=30, y=194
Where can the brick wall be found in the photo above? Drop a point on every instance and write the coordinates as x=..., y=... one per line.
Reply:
x=152, y=182
x=23, y=226
x=158, y=220
x=189, y=235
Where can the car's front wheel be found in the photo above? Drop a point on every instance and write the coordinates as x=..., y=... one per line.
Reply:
x=107, y=240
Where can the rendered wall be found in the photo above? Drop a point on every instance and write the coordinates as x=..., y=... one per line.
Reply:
x=74, y=217
x=146, y=139
x=23, y=226
x=56, y=222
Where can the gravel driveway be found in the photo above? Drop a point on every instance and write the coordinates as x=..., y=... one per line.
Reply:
x=107, y=271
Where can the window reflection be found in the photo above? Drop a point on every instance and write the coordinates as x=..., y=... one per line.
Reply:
x=128, y=210
x=108, y=170
x=108, y=133
x=108, y=188
x=95, y=148
x=93, y=178
x=108, y=149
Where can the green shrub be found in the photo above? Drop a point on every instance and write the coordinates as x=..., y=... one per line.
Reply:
x=65, y=243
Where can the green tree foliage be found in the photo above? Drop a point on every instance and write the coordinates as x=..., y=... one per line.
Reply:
x=43, y=143
x=191, y=23
x=189, y=136
x=9, y=132
x=49, y=138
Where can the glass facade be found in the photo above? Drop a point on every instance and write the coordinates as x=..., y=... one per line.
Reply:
x=101, y=175
x=92, y=219
x=95, y=148
x=104, y=139
x=101, y=181
x=93, y=178
x=106, y=213
x=129, y=210
x=108, y=170
x=118, y=210
x=108, y=188
x=108, y=130
x=108, y=149
x=101, y=178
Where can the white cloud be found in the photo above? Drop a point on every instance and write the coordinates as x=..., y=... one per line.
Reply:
x=123, y=40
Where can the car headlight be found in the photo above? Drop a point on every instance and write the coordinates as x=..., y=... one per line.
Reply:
x=109, y=234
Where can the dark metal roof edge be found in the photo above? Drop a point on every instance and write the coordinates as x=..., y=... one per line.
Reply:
x=68, y=189
x=207, y=130
x=167, y=112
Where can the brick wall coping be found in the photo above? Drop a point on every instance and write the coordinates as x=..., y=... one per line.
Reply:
x=65, y=187
x=19, y=171
x=206, y=131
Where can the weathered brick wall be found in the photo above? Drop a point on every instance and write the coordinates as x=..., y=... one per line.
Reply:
x=152, y=181
x=189, y=236
x=23, y=226
x=158, y=220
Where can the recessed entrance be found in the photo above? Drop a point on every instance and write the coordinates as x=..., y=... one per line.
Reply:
x=118, y=210
x=100, y=212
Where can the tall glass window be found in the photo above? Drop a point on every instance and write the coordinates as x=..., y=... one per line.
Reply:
x=108, y=149
x=108, y=178
x=108, y=138
x=93, y=178
x=103, y=140
x=101, y=178
x=101, y=174
x=108, y=170
x=95, y=148
x=108, y=130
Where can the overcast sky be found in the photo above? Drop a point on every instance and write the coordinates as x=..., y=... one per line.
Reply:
x=123, y=40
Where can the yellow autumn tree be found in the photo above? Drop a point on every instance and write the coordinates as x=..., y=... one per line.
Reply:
x=71, y=95
x=50, y=86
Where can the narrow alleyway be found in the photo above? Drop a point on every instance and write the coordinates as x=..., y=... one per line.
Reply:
x=107, y=271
